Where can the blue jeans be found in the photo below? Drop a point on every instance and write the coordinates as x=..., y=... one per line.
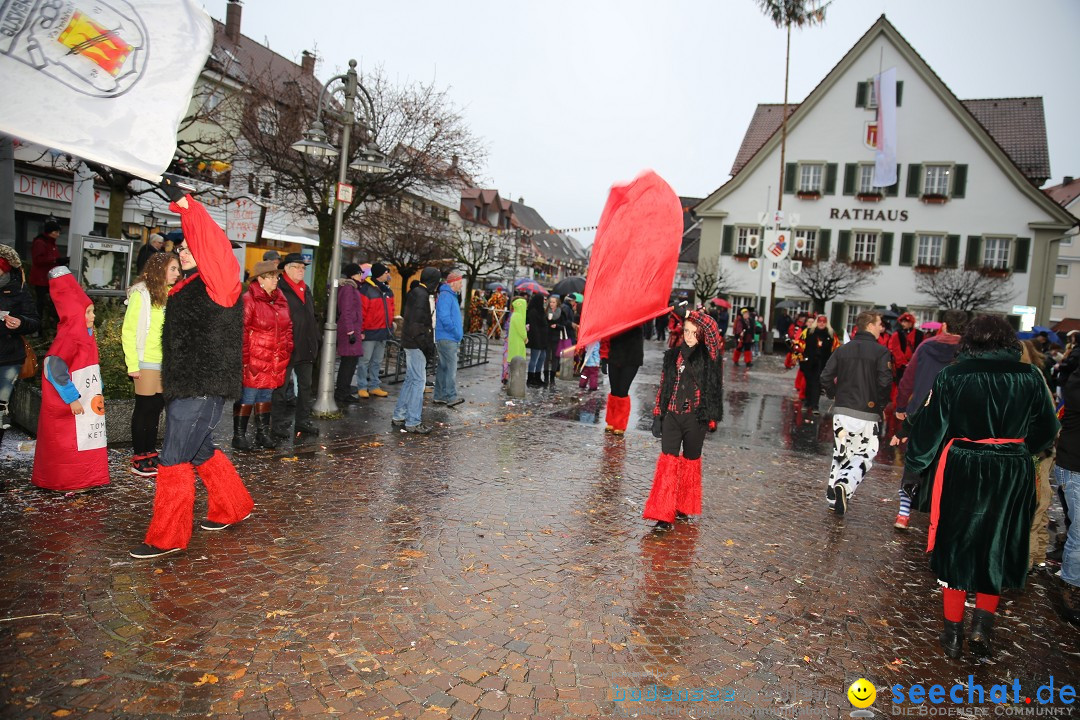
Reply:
x=8, y=375
x=1069, y=482
x=368, y=366
x=410, y=401
x=189, y=430
x=536, y=359
x=446, y=371
x=256, y=395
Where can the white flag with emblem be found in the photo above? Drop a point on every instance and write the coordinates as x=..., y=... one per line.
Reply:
x=106, y=80
x=885, y=155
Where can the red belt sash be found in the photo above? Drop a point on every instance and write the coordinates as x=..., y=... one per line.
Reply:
x=939, y=479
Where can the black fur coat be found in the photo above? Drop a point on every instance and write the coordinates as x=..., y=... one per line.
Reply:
x=708, y=376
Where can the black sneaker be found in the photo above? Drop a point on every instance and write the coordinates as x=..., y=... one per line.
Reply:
x=417, y=429
x=841, y=500
x=394, y=422
x=307, y=428
x=215, y=526
x=455, y=402
x=830, y=495
x=662, y=526
x=145, y=552
x=439, y=402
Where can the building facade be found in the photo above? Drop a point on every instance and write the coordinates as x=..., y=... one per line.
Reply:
x=967, y=193
x=1065, y=303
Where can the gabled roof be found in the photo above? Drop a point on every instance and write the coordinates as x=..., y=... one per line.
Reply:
x=1018, y=125
x=963, y=114
x=247, y=60
x=529, y=218
x=1065, y=193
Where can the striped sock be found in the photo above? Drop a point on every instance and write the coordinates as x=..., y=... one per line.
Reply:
x=905, y=503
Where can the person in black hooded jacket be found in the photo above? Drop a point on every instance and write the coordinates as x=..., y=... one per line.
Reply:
x=418, y=342
x=20, y=318
x=536, y=328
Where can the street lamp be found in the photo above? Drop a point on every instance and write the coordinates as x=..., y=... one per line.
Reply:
x=149, y=222
x=316, y=143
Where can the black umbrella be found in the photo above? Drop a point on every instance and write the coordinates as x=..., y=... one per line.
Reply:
x=573, y=284
x=888, y=313
x=787, y=305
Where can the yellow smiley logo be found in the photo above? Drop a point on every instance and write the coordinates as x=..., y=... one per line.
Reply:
x=862, y=693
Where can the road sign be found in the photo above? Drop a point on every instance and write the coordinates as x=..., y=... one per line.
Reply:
x=1023, y=310
x=345, y=193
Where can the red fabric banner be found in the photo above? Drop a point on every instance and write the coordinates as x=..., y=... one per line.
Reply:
x=634, y=258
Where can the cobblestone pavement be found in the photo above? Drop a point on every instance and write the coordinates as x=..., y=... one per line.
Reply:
x=498, y=568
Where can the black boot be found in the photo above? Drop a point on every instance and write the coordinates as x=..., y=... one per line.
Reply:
x=982, y=633
x=533, y=380
x=263, y=437
x=1070, y=602
x=241, y=415
x=952, y=638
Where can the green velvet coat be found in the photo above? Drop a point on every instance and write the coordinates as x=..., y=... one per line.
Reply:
x=988, y=491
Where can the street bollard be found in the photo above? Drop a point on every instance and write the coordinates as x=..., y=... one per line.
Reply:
x=566, y=365
x=515, y=387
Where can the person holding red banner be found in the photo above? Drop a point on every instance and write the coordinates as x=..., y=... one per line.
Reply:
x=626, y=353
x=688, y=402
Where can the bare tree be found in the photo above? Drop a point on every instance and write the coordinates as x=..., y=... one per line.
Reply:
x=479, y=252
x=828, y=279
x=967, y=290
x=408, y=240
x=710, y=283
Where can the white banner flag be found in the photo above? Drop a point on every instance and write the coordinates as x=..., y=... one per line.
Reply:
x=885, y=156
x=106, y=80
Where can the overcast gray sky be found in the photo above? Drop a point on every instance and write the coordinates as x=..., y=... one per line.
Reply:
x=572, y=96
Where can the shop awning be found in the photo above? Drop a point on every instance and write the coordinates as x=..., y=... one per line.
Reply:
x=298, y=239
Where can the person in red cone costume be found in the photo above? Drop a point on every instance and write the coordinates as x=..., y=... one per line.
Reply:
x=202, y=344
x=71, y=451
x=689, y=403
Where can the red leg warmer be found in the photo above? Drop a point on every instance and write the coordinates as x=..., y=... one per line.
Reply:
x=954, y=604
x=688, y=495
x=800, y=384
x=609, y=410
x=987, y=602
x=174, y=503
x=618, y=411
x=228, y=499
x=661, y=502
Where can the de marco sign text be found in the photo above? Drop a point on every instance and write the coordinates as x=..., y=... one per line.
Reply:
x=869, y=214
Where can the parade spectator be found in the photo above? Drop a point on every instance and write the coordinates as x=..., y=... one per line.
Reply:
x=745, y=328
x=141, y=339
x=590, y=367
x=201, y=366
x=418, y=341
x=723, y=317
x=782, y=324
x=517, y=336
x=626, y=353
x=44, y=256
x=350, y=332
x=1044, y=461
x=1067, y=479
x=660, y=325
x=305, y=350
x=154, y=245
x=268, y=346
x=556, y=332
x=902, y=345
x=448, y=334
x=932, y=355
x=71, y=452
x=19, y=319
x=987, y=414
x=859, y=376
x=819, y=342
x=377, y=305
x=688, y=403
x=537, y=327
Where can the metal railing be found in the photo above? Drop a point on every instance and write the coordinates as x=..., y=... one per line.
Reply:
x=472, y=351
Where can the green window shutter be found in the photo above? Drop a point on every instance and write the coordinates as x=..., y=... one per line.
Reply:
x=1021, y=248
x=860, y=95
x=830, y=178
x=952, y=251
x=843, y=245
x=823, y=238
x=907, y=249
x=885, y=249
x=973, y=259
x=727, y=241
x=959, y=182
x=837, y=318
x=914, y=179
x=851, y=172
x=790, y=171
x=899, y=92
x=894, y=189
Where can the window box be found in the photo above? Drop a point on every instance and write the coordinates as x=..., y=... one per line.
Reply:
x=994, y=272
x=869, y=197
x=862, y=264
x=808, y=195
x=928, y=269
x=742, y=257
x=935, y=199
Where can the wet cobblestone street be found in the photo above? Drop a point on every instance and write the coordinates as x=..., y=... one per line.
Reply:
x=498, y=568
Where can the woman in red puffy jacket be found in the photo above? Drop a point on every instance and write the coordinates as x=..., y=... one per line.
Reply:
x=268, y=344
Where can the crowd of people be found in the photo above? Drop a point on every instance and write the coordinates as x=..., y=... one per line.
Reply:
x=977, y=410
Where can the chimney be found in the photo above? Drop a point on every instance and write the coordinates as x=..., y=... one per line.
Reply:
x=307, y=63
x=1068, y=179
x=232, y=20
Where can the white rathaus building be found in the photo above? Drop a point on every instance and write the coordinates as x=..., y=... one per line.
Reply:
x=967, y=192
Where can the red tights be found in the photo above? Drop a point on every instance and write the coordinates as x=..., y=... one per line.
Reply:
x=954, y=603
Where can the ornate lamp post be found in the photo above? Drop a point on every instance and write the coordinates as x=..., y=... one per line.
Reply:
x=370, y=160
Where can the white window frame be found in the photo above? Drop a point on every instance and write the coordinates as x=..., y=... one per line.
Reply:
x=1057, y=270
x=738, y=302
x=742, y=239
x=267, y=119
x=852, y=311
x=928, y=252
x=870, y=242
x=871, y=95
x=1001, y=257
x=810, y=236
x=1063, y=303
x=811, y=177
x=868, y=188
x=923, y=315
x=801, y=306
x=941, y=184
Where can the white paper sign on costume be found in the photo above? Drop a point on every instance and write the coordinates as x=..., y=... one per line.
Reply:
x=90, y=426
x=107, y=80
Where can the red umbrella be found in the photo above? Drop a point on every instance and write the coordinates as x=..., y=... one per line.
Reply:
x=530, y=286
x=721, y=302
